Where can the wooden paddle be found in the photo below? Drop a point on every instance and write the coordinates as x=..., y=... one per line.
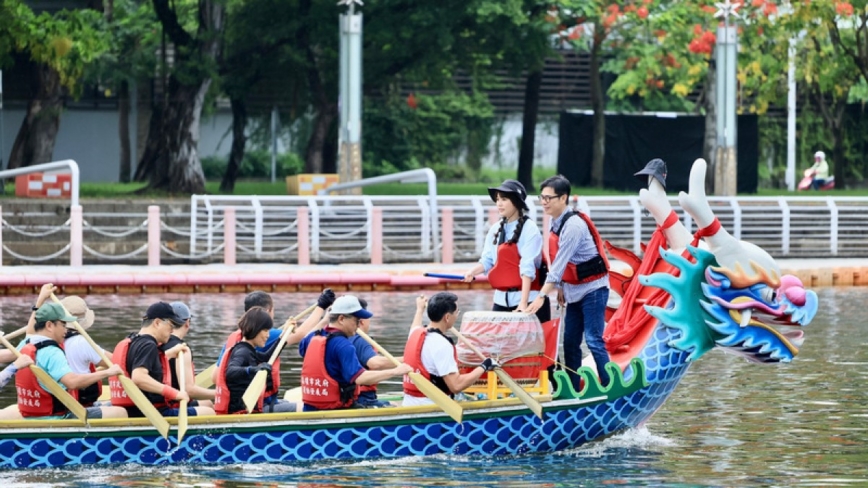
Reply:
x=182, y=410
x=52, y=386
x=450, y=406
x=257, y=386
x=203, y=379
x=506, y=379
x=136, y=395
x=15, y=333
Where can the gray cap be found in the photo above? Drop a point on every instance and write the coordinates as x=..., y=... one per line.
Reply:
x=656, y=168
x=181, y=310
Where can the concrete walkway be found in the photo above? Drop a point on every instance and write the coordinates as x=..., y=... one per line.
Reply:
x=110, y=279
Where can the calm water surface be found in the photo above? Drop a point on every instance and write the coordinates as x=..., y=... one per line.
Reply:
x=729, y=423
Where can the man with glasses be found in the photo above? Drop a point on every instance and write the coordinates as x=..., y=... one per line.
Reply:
x=579, y=268
x=331, y=372
x=140, y=357
x=432, y=353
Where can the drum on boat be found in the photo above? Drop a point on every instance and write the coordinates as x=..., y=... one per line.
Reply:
x=516, y=340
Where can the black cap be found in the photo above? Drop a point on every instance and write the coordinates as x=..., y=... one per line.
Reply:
x=162, y=310
x=510, y=186
x=656, y=168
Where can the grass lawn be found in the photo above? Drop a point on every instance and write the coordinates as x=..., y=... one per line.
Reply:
x=131, y=190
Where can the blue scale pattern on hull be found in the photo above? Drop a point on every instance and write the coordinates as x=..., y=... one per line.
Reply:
x=563, y=428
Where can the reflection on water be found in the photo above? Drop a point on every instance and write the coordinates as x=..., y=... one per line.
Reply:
x=729, y=423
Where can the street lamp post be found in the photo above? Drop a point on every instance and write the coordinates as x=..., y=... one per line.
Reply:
x=726, y=53
x=350, y=96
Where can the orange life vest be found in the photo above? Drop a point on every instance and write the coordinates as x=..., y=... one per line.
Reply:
x=413, y=358
x=33, y=400
x=590, y=270
x=318, y=388
x=119, y=357
x=235, y=338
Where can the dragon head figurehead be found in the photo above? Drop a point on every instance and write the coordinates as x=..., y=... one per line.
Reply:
x=731, y=295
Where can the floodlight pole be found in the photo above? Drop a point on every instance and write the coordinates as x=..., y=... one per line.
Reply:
x=350, y=95
x=726, y=52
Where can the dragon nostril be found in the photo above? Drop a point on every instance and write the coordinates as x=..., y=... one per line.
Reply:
x=795, y=295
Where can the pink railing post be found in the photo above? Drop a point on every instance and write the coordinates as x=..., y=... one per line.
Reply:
x=377, y=235
x=75, y=235
x=229, y=236
x=303, y=237
x=153, y=235
x=447, y=226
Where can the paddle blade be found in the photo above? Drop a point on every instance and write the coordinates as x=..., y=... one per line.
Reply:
x=145, y=406
x=519, y=392
x=182, y=421
x=61, y=394
x=254, y=391
x=106, y=394
x=203, y=379
x=450, y=406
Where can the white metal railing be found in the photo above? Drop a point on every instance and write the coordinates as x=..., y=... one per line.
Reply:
x=267, y=228
x=69, y=164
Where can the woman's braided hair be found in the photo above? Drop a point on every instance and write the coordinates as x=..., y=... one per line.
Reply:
x=522, y=218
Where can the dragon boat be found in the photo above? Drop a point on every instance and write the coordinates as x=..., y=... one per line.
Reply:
x=680, y=300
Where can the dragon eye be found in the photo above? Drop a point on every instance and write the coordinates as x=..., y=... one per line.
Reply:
x=770, y=295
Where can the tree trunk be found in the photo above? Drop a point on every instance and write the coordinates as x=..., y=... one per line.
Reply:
x=598, y=105
x=313, y=158
x=239, y=142
x=124, y=131
x=528, y=128
x=34, y=143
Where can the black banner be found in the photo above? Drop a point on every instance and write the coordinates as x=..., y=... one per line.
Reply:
x=634, y=139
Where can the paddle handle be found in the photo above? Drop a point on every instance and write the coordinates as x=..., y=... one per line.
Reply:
x=467, y=343
x=16, y=333
x=80, y=329
x=445, y=276
x=10, y=346
x=286, y=332
x=378, y=347
x=182, y=374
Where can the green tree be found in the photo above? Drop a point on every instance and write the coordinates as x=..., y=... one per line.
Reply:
x=58, y=48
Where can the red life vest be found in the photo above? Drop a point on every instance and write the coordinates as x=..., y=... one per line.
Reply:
x=223, y=396
x=119, y=357
x=33, y=400
x=235, y=338
x=413, y=358
x=505, y=275
x=318, y=388
x=592, y=269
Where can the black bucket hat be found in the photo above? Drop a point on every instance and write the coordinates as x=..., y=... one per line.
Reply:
x=510, y=186
x=656, y=168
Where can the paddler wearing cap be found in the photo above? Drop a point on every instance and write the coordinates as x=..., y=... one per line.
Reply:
x=512, y=253
x=331, y=372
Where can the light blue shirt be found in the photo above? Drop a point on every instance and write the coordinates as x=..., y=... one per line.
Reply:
x=50, y=359
x=529, y=251
x=575, y=245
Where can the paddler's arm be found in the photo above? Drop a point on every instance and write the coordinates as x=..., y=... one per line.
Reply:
x=421, y=307
x=144, y=381
x=44, y=295
x=529, y=248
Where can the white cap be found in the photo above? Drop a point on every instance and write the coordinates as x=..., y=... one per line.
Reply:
x=349, y=305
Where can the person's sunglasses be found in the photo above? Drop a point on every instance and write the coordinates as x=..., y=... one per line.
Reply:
x=548, y=198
